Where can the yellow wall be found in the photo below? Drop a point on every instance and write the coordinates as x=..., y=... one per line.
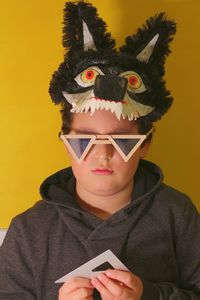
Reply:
x=30, y=50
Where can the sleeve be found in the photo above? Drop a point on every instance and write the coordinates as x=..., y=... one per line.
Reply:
x=188, y=261
x=16, y=278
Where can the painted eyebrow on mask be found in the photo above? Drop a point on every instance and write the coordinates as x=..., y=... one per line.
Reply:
x=86, y=63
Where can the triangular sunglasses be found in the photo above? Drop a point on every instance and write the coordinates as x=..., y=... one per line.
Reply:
x=80, y=144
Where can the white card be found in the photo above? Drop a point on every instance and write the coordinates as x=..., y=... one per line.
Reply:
x=87, y=270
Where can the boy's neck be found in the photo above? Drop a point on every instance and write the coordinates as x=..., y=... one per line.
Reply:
x=106, y=205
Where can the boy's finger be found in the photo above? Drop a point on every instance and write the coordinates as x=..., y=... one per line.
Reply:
x=107, y=287
x=125, y=277
x=75, y=283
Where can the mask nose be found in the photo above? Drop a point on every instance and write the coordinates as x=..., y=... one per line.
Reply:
x=110, y=87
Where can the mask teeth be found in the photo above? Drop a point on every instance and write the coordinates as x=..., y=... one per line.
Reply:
x=93, y=105
x=85, y=103
x=130, y=117
x=73, y=109
x=118, y=110
x=87, y=107
x=97, y=105
x=83, y=109
x=106, y=105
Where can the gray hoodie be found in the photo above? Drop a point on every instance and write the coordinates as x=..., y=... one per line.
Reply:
x=157, y=236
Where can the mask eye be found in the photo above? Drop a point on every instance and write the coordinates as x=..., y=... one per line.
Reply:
x=88, y=76
x=135, y=83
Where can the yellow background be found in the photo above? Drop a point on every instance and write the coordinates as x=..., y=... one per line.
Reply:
x=30, y=50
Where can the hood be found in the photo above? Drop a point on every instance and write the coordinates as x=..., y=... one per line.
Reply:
x=60, y=188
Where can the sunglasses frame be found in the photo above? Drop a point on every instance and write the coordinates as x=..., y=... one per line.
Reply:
x=96, y=139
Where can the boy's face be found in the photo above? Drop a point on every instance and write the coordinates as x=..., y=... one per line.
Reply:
x=103, y=171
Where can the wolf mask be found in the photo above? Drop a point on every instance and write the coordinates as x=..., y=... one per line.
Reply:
x=96, y=76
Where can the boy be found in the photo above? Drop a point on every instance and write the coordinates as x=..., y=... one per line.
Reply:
x=111, y=198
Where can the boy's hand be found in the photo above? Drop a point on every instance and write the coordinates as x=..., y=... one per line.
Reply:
x=120, y=285
x=76, y=289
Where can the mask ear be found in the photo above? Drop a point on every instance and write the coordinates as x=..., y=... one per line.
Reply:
x=88, y=42
x=146, y=53
x=83, y=29
x=151, y=42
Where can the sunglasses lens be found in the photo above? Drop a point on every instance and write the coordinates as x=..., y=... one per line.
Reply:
x=79, y=145
x=126, y=145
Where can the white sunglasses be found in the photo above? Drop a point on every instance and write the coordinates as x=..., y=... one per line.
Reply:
x=80, y=144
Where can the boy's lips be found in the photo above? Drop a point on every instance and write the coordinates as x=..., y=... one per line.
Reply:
x=100, y=171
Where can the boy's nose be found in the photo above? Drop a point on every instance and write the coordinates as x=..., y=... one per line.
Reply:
x=103, y=151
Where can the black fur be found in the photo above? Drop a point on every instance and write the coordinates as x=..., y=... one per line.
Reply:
x=157, y=24
x=74, y=13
